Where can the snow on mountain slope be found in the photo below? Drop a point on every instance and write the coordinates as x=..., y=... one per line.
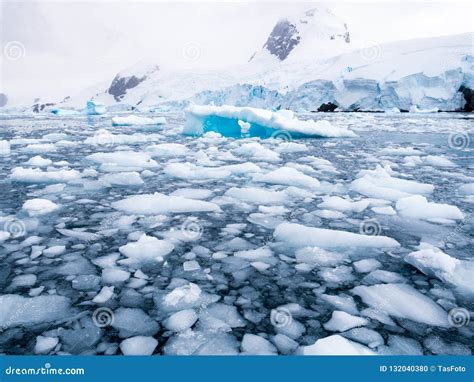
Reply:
x=429, y=73
x=317, y=33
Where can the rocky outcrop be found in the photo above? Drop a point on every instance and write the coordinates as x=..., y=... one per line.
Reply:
x=124, y=82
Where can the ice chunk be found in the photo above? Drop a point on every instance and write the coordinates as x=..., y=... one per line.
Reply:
x=256, y=345
x=4, y=147
x=190, y=171
x=439, y=161
x=467, y=189
x=255, y=254
x=263, y=123
x=26, y=280
x=257, y=195
x=122, y=179
x=130, y=321
x=341, y=301
x=45, y=344
x=167, y=150
x=138, y=345
x=114, y=275
x=403, y=301
x=380, y=184
x=186, y=296
x=297, y=235
x=366, y=265
x=339, y=204
x=154, y=204
x=435, y=263
x=317, y=257
x=287, y=176
x=34, y=175
x=341, y=321
x=39, y=161
x=335, y=345
x=193, y=193
x=257, y=152
x=418, y=207
x=180, y=321
x=220, y=317
x=147, y=248
x=104, y=295
x=39, y=207
x=17, y=310
x=133, y=120
x=202, y=342
x=95, y=108
x=124, y=159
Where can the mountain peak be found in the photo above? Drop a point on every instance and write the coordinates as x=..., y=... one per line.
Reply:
x=317, y=29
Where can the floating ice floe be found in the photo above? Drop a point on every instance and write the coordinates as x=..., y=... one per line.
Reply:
x=180, y=321
x=35, y=175
x=167, y=150
x=418, y=207
x=117, y=160
x=335, y=345
x=232, y=121
x=145, y=249
x=341, y=321
x=131, y=178
x=135, y=120
x=287, y=176
x=297, y=235
x=154, y=204
x=339, y=204
x=17, y=310
x=257, y=195
x=403, y=301
x=256, y=345
x=45, y=344
x=4, y=147
x=435, y=263
x=138, y=345
x=39, y=207
x=38, y=161
x=379, y=183
x=258, y=152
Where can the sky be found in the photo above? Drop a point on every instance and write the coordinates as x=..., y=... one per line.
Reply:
x=62, y=47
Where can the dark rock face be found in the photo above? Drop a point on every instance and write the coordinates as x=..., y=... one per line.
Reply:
x=120, y=85
x=469, y=97
x=327, y=107
x=3, y=99
x=37, y=107
x=283, y=39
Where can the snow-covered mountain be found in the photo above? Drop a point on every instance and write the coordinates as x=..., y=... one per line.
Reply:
x=316, y=33
x=309, y=64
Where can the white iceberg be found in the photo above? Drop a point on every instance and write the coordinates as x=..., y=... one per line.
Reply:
x=135, y=120
x=39, y=207
x=95, y=108
x=241, y=121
